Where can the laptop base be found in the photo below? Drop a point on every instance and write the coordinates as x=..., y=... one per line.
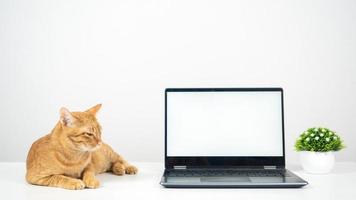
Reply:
x=286, y=179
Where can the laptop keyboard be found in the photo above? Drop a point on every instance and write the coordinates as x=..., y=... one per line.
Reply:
x=212, y=173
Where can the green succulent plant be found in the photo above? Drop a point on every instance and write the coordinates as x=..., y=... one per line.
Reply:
x=319, y=140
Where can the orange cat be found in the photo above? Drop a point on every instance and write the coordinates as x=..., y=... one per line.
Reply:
x=73, y=153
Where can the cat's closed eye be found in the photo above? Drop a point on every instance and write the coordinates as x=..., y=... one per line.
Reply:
x=88, y=134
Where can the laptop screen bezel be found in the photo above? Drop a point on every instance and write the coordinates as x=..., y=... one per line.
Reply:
x=224, y=161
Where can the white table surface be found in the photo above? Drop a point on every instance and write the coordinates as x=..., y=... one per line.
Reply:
x=340, y=184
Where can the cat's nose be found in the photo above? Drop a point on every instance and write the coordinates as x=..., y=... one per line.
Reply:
x=98, y=141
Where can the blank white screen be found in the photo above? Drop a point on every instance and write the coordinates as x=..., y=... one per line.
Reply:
x=224, y=124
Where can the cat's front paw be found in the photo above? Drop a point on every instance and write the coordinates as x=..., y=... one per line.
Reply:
x=118, y=169
x=131, y=169
x=91, y=183
x=75, y=184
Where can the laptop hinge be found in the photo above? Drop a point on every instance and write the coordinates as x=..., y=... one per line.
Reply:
x=270, y=167
x=180, y=167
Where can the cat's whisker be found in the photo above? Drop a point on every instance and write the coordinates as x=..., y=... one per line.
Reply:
x=84, y=148
x=90, y=149
x=96, y=147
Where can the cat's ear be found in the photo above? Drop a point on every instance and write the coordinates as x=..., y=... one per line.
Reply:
x=67, y=118
x=94, y=109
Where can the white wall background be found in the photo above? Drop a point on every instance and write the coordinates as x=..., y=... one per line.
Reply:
x=124, y=53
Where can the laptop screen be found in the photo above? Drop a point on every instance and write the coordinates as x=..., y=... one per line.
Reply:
x=224, y=123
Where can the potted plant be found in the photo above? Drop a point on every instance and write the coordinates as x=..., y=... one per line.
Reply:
x=317, y=147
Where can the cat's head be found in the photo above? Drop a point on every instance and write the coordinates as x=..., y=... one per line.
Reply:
x=80, y=130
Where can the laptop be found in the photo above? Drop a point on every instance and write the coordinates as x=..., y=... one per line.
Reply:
x=225, y=138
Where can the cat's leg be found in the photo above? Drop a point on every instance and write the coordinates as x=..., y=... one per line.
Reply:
x=89, y=178
x=120, y=166
x=57, y=181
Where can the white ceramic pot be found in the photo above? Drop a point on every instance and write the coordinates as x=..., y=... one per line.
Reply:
x=317, y=162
